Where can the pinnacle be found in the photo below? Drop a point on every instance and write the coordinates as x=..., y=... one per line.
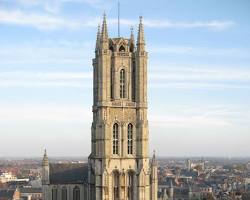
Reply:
x=140, y=37
x=104, y=33
x=98, y=37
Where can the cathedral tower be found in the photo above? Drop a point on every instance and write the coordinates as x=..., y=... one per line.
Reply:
x=119, y=166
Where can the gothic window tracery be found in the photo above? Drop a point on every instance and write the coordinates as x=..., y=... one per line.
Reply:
x=76, y=193
x=133, y=80
x=116, y=185
x=130, y=139
x=111, y=84
x=122, y=83
x=54, y=193
x=115, y=139
x=64, y=193
x=130, y=185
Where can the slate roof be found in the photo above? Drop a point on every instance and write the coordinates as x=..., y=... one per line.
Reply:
x=68, y=173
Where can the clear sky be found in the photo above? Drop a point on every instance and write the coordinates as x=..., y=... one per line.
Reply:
x=199, y=74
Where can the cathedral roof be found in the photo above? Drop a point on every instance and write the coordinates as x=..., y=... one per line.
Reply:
x=68, y=173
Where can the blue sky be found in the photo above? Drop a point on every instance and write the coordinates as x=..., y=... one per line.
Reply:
x=199, y=74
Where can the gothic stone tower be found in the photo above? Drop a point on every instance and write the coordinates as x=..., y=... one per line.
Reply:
x=119, y=166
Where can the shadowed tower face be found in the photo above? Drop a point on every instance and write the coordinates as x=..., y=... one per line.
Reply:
x=119, y=163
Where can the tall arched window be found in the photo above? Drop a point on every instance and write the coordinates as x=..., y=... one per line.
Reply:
x=54, y=193
x=64, y=193
x=130, y=185
x=116, y=185
x=76, y=193
x=133, y=81
x=115, y=139
x=130, y=139
x=122, y=83
x=111, y=84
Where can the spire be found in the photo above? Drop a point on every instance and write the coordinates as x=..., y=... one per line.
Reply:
x=98, y=38
x=154, y=162
x=140, y=37
x=45, y=169
x=45, y=158
x=132, y=40
x=104, y=34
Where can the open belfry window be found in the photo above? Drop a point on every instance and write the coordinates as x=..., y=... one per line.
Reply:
x=122, y=48
x=122, y=83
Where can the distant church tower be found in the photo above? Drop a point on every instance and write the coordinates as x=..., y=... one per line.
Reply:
x=119, y=167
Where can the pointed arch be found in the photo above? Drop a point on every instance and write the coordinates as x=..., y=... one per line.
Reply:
x=116, y=185
x=115, y=139
x=122, y=48
x=64, y=193
x=122, y=83
x=130, y=184
x=54, y=193
x=130, y=138
x=76, y=193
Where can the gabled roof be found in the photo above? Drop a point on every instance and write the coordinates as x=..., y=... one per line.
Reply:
x=68, y=173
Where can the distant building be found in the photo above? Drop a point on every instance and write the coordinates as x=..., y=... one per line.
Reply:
x=31, y=193
x=247, y=184
x=190, y=165
x=7, y=177
x=10, y=194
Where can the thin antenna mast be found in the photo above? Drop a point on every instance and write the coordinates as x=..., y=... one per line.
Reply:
x=118, y=18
